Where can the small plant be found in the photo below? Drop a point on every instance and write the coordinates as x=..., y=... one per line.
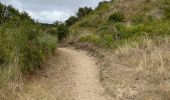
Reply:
x=117, y=17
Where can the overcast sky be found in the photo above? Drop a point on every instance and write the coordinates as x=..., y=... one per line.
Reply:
x=48, y=11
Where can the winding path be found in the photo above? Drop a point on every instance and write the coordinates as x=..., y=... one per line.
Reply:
x=69, y=75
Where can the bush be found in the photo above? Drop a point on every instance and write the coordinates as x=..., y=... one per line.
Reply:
x=48, y=42
x=84, y=12
x=104, y=40
x=23, y=44
x=166, y=8
x=167, y=12
x=103, y=6
x=91, y=38
x=117, y=17
x=62, y=31
x=71, y=20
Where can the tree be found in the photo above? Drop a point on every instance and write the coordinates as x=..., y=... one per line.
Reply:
x=84, y=11
x=71, y=20
x=62, y=31
x=56, y=23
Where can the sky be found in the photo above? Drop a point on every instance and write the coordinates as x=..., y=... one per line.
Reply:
x=49, y=11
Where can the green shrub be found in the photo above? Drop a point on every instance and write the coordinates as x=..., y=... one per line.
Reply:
x=71, y=20
x=117, y=17
x=91, y=39
x=166, y=8
x=84, y=12
x=86, y=23
x=104, y=5
x=49, y=42
x=62, y=31
x=23, y=45
x=104, y=40
x=167, y=12
x=142, y=19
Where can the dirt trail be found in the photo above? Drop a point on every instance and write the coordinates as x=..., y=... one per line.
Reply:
x=69, y=75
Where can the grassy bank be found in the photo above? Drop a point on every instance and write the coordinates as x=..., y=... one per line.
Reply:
x=23, y=44
x=131, y=40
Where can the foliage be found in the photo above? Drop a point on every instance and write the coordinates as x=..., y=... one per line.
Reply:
x=117, y=17
x=104, y=5
x=62, y=31
x=84, y=12
x=167, y=12
x=139, y=37
x=71, y=20
x=24, y=44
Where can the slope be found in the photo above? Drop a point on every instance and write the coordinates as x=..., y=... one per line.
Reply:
x=131, y=39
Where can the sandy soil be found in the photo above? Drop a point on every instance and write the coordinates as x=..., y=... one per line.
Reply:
x=69, y=75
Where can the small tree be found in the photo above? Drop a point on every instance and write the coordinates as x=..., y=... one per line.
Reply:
x=71, y=20
x=117, y=17
x=62, y=31
x=84, y=11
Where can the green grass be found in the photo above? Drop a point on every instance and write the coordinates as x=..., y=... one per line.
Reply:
x=23, y=45
x=106, y=37
x=139, y=42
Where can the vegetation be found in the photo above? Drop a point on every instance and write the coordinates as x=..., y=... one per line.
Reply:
x=131, y=38
x=24, y=44
x=84, y=12
x=118, y=26
x=71, y=20
x=62, y=31
x=135, y=34
x=116, y=17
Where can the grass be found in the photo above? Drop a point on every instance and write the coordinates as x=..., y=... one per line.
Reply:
x=24, y=45
x=144, y=68
x=107, y=36
x=133, y=52
x=23, y=53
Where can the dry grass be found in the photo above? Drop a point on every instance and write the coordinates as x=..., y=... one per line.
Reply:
x=10, y=79
x=53, y=82
x=139, y=71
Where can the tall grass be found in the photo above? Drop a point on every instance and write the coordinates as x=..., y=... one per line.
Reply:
x=138, y=70
x=23, y=45
x=137, y=66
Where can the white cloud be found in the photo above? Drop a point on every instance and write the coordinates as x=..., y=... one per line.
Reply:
x=49, y=11
x=49, y=17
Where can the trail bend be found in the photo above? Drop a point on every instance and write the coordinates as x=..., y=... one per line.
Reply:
x=68, y=75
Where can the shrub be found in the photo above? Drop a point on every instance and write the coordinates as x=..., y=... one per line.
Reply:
x=91, y=39
x=62, y=31
x=71, y=20
x=23, y=44
x=167, y=12
x=117, y=17
x=166, y=8
x=49, y=42
x=83, y=12
x=103, y=6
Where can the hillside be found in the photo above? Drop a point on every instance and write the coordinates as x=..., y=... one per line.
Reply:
x=122, y=20
x=24, y=46
x=131, y=40
x=127, y=58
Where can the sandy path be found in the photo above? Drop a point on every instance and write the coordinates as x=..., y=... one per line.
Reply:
x=69, y=75
x=86, y=76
